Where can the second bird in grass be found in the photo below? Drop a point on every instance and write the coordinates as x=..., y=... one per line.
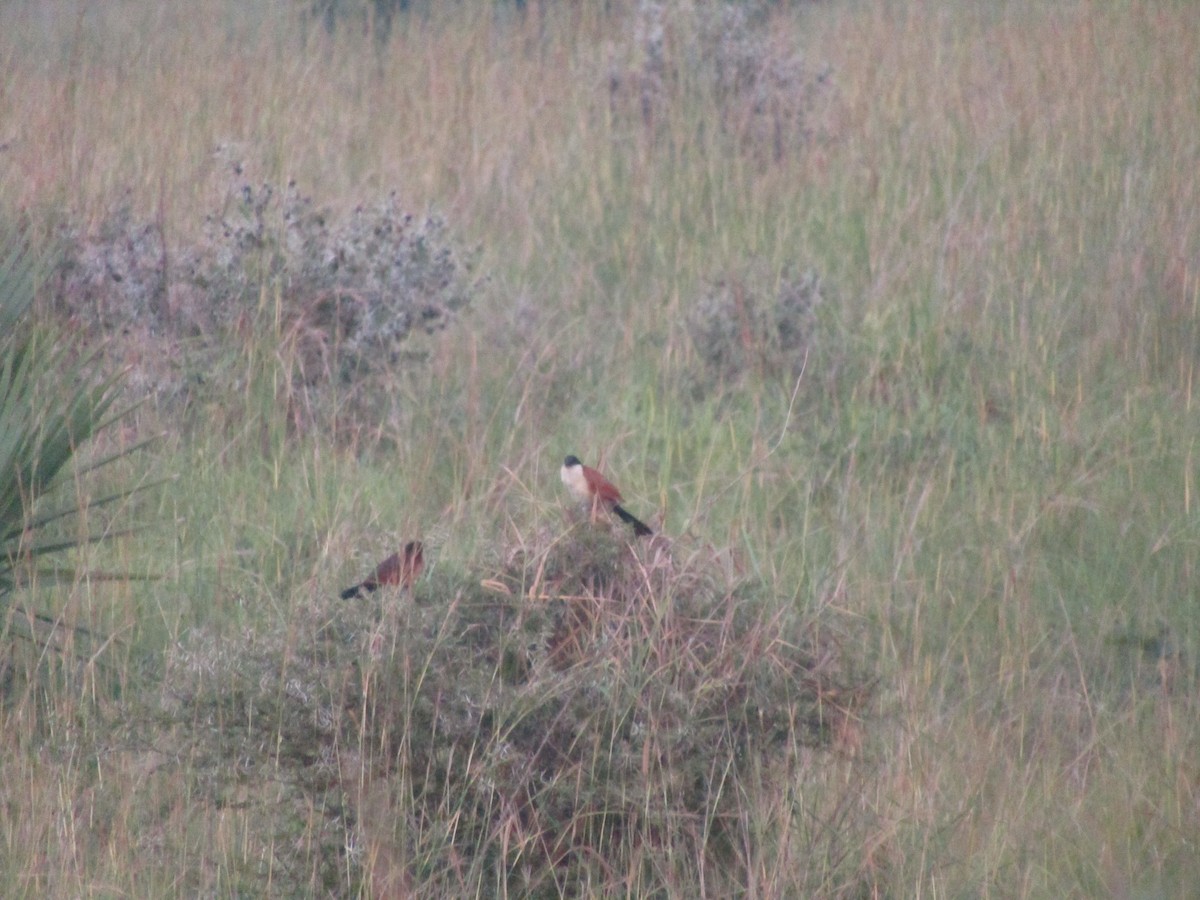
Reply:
x=401, y=569
x=588, y=486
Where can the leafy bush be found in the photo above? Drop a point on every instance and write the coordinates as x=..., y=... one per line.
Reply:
x=746, y=323
x=337, y=297
x=766, y=95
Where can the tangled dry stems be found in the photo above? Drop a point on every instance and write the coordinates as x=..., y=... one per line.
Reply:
x=594, y=709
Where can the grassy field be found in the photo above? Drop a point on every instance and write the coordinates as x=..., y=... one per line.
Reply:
x=961, y=462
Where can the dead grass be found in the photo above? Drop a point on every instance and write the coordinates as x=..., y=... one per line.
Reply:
x=981, y=484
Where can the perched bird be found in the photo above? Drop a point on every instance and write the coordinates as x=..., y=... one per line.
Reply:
x=589, y=486
x=401, y=568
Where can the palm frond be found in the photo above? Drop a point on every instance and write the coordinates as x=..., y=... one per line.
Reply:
x=54, y=397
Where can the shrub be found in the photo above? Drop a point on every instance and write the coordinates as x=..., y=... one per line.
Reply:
x=747, y=323
x=588, y=712
x=333, y=298
x=766, y=96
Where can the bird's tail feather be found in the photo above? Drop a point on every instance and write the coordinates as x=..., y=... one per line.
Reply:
x=359, y=589
x=640, y=528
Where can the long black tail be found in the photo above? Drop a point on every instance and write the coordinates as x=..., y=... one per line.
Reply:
x=358, y=590
x=640, y=528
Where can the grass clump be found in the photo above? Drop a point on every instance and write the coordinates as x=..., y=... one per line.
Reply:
x=592, y=717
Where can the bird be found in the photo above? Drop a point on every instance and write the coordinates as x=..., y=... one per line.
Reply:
x=401, y=568
x=588, y=486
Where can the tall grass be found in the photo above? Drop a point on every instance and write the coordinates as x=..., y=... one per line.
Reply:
x=980, y=486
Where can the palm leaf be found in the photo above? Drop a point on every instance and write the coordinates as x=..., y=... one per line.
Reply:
x=53, y=399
